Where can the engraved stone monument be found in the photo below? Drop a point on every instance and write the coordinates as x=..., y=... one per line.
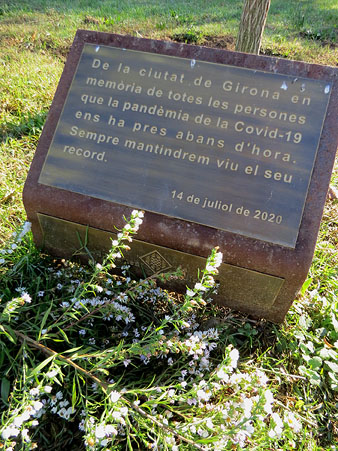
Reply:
x=219, y=148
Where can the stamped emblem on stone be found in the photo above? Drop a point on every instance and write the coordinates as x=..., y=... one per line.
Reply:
x=155, y=261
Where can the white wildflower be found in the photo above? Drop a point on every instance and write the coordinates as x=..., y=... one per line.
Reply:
x=65, y=413
x=114, y=396
x=59, y=395
x=51, y=374
x=240, y=438
x=25, y=229
x=10, y=431
x=202, y=433
x=292, y=422
x=37, y=405
x=25, y=296
x=234, y=356
x=262, y=378
x=17, y=422
x=247, y=405
x=34, y=391
x=124, y=411
x=221, y=374
x=25, y=436
x=199, y=287
x=269, y=401
x=100, y=431
x=218, y=259
x=110, y=430
x=171, y=393
x=249, y=428
x=204, y=395
x=117, y=415
x=209, y=423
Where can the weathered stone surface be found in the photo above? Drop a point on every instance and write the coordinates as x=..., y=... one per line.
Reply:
x=259, y=277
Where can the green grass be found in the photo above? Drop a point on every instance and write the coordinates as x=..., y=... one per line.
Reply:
x=300, y=356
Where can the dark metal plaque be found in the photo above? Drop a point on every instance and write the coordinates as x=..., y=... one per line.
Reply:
x=239, y=287
x=223, y=146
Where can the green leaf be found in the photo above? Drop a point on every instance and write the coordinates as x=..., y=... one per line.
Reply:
x=315, y=363
x=38, y=368
x=305, y=322
x=45, y=317
x=305, y=348
x=333, y=376
x=333, y=381
x=315, y=379
x=306, y=285
x=5, y=389
x=74, y=392
x=326, y=353
x=334, y=321
x=9, y=333
x=332, y=365
x=102, y=370
x=63, y=333
x=303, y=370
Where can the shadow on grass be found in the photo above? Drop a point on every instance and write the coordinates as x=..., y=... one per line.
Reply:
x=28, y=125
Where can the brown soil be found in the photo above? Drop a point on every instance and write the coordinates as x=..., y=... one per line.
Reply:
x=221, y=42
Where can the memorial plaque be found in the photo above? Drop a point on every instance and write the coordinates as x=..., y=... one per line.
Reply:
x=219, y=148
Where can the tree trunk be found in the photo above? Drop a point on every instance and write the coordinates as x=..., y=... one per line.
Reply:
x=252, y=25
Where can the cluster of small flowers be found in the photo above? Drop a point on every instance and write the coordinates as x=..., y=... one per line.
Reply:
x=116, y=310
x=124, y=269
x=252, y=395
x=198, y=346
x=112, y=283
x=34, y=407
x=54, y=403
x=119, y=313
x=148, y=293
x=202, y=428
x=79, y=304
x=100, y=435
x=17, y=238
x=136, y=219
x=236, y=413
x=27, y=416
x=60, y=406
x=15, y=303
x=195, y=296
x=250, y=400
x=249, y=394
